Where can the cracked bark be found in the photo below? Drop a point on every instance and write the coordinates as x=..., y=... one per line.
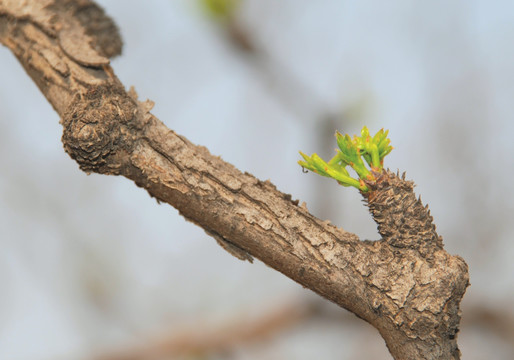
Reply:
x=405, y=284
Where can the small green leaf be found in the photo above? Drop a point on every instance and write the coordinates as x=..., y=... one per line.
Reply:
x=351, y=153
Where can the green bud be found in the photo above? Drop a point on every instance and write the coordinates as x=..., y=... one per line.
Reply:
x=351, y=153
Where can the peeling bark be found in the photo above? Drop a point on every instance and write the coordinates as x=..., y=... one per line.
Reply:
x=406, y=285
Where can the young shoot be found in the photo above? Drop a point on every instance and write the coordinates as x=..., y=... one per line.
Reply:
x=364, y=154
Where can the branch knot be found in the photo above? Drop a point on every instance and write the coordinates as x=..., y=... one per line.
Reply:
x=95, y=127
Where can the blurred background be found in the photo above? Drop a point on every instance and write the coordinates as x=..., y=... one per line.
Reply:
x=92, y=268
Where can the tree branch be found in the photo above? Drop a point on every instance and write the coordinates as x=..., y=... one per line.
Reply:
x=405, y=284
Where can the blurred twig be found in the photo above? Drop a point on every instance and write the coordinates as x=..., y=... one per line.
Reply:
x=496, y=320
x=294, y=95
x=203, y=340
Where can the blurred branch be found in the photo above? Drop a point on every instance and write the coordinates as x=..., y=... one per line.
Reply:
x=203, y=340
x=293, y=93
x=496, y=320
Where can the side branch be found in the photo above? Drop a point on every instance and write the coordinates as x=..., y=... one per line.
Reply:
x=405, y=285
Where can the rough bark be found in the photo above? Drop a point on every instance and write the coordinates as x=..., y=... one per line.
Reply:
x=406, y=285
